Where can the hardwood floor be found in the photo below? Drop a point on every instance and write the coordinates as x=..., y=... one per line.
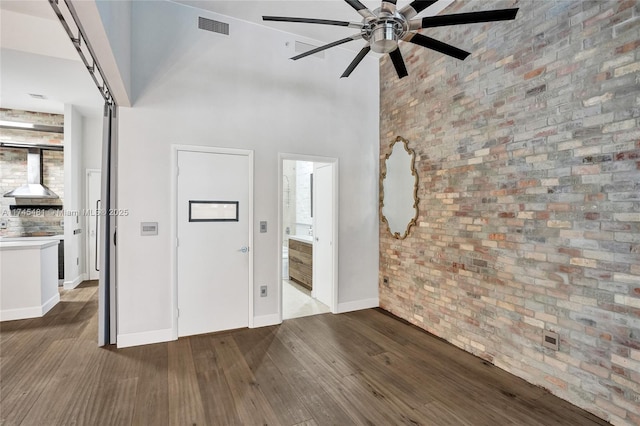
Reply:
x=358, y=368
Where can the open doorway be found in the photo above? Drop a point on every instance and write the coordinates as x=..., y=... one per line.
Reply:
x=308, y=236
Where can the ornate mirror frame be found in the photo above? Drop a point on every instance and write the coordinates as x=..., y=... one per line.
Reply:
x=383, y=177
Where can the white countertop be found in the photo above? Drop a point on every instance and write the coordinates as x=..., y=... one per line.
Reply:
x=27, y=245
x=302, y=238
x=41, y=238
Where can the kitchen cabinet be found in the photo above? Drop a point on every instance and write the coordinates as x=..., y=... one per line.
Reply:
x=301, y=261
x=45, y=238
x=28, y=278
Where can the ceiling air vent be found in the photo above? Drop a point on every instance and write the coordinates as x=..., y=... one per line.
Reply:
x=214, y=26
x=305, y=47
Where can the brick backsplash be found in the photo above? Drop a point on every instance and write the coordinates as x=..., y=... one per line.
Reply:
x=13, y=173
x=528, y=155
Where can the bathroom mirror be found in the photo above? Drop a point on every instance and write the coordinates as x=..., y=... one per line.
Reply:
x=399, y=189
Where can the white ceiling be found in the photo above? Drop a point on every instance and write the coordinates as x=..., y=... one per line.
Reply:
x=37, y=8
x=253, y=10
x=37, y=57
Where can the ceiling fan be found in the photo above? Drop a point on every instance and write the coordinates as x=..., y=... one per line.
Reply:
x=384, y=27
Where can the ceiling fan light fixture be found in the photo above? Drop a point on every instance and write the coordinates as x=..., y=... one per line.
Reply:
x=385, y=36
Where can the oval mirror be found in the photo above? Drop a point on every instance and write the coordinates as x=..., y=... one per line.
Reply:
x=399, y=189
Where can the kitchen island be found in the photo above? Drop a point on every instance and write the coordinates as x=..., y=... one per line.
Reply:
x=28, y=278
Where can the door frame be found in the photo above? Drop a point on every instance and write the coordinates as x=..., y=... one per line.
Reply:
x=336, y=197
x=88, y=217
x=175, y=149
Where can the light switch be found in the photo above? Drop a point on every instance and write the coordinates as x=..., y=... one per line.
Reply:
x=263, y=226
x=148, y=228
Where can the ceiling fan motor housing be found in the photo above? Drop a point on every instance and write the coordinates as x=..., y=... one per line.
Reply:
x=384, y=31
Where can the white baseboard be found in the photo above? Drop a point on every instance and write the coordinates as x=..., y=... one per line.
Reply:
x=31, y=312
x=145, y=338
x=70, y=285
x=46, y=306
x=266, y=320
x=357, y=305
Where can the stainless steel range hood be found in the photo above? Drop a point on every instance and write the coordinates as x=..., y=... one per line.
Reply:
x=34, y=187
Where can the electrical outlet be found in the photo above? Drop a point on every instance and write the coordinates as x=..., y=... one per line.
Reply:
x=263, y=291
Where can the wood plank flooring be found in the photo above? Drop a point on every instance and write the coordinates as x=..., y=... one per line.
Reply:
x=360, y=368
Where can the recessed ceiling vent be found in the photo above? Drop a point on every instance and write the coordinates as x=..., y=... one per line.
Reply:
x=213, y=26
x=301, y=47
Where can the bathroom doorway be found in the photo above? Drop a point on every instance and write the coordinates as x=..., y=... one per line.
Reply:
x=308, y=236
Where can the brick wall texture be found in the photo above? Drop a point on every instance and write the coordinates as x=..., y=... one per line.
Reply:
x=13, y=173
x=528, y=155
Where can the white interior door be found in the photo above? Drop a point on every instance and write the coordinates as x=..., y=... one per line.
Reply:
x=93, y=237
x=213, y=256
x=323, y=265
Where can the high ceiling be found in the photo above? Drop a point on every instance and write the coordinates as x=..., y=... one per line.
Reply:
x=252, y=11
x=37, y=58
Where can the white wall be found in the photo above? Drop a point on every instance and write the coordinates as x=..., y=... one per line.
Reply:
x=200, y=88
x=116, y=18
x=74, y=244
x=82, y=150
x=303, y=198
x=107, y=27
x=92, y=143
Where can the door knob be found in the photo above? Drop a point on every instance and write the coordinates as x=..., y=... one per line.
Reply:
x=244, y=249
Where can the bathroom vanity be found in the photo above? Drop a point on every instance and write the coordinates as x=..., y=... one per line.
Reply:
x=301, y=260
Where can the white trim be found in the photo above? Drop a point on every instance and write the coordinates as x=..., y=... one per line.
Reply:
x=145, y=338
x=32, y=312
x=46, y=306
x=174, y=224
x=173, y=212
x=335, y=164
x=358, y=305
x=336, y=242
x=87, y=218
x=70, y=285
x=266, y=320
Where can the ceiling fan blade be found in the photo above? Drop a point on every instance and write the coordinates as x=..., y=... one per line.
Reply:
x=438, y=46
x=312, y=21
x=469, y=18
x=388, y=6
x=326, y=46
x=356, y=61
x=360, y=8
x=398, y=62
x=415, y=7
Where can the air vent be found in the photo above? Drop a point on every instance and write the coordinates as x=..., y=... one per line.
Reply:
x=305, y=47
x=214, y=26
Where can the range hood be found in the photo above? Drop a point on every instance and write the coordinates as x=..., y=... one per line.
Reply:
x=34, y=187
